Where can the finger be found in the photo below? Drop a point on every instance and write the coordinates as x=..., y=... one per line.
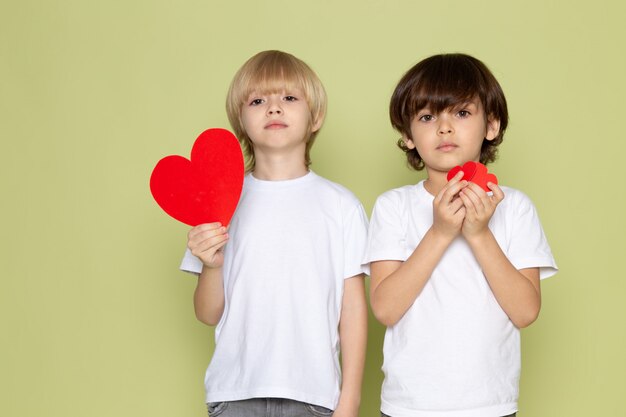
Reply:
x=210, y=235
x=211, y=244
x=456, y=205
x=476, y=193
x=214, y=248
x=470, y=208
x=477, y=189
x=454, y=180
x=221, y=245
x=498, y=194
x=202, y=228
x=450, y=191
x=202, y=236
x=457, y=177
x=461, y=213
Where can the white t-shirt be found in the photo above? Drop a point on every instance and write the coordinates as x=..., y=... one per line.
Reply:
x=292, y=244
x=454, y=353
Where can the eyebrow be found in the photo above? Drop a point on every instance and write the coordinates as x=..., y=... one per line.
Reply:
x=463, y=104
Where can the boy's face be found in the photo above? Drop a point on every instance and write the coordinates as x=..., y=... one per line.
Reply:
x=451, y=137
x=278, y=121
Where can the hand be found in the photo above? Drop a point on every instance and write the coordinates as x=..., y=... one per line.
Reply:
x=448, y=208
x=479, y=208
x=206, y=242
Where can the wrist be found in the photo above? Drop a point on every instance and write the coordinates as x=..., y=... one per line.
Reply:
x=478, y=238
x=443, y=236
x=348, y=407
x=210, y=271
x=350, y=399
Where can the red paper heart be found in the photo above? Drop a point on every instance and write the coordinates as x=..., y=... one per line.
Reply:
x=474, y=172
x=206, y=188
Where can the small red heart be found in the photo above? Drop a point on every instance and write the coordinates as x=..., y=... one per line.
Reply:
x=474, y=172
x=490, y=178
x=454, y=171
x=206, y=188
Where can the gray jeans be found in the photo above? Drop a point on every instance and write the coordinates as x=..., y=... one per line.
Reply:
x=266, y=407
x=385, y=415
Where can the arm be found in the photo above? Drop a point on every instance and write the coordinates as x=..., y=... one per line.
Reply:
x=517, y=291
x=208, y=298
x=207, y=242
x=353, y=339
x=395, y=285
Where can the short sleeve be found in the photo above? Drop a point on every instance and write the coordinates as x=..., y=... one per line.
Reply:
x=355, y=238
x=387, y=238
x=191, y=263
x=528, y=246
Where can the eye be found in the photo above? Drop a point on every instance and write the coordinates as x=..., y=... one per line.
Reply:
x=256, y=102
x=290, y=98
x=463, y=113
x=426, y=118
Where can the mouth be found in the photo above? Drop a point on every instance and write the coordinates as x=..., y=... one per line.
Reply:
x=275, y=125
x=446, y=147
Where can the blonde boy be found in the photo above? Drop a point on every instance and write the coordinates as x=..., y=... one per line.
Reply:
x=283, y=282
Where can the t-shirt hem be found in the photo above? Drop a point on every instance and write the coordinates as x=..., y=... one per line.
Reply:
x=356, y=272
x=385, y=256
x=498, y=410
x=308, y=398
x=190, y=264
x=547, y=266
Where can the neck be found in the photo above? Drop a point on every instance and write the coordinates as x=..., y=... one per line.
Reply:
x=277, y=169
x=435, y=182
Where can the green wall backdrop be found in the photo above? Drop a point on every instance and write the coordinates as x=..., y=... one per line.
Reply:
x=95, y=317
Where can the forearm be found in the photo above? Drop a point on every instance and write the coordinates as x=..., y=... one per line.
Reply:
x=353, y=341
x=517, y=292
x=395, y=293
x=208, y=297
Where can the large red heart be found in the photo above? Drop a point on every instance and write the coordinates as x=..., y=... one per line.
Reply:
x=474, y=172
x=206, y=188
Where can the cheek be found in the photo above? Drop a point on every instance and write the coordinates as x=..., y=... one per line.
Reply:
x=306, y=122
x=247, y=117
x=421, y=135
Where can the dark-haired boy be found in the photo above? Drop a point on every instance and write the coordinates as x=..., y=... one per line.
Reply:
x=455, y=270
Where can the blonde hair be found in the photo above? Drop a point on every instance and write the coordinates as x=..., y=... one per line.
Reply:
x=271, y=72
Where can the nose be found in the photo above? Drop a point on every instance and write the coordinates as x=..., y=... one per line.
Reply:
x=445, y=126
x=274, y=107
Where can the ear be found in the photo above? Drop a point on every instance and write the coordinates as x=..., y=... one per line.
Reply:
x=317, y=125
x=408, y=142
x=493, y=128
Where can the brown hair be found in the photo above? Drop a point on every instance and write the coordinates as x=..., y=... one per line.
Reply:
x=442, y=82
x=270, y=72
